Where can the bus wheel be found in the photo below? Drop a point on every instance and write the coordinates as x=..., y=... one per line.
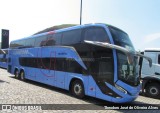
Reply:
x=77, y=89
x=22, y=75
x=16, y=73
x=153, y=90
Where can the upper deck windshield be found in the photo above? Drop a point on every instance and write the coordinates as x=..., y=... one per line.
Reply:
x=127, y=64
x=96, y=34
x=120, y=38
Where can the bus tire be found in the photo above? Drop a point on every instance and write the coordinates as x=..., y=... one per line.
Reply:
x=16, y=74
x=153, y=90
x=77, y=89
x=22, y=75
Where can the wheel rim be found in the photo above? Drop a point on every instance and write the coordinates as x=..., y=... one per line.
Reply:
x=153, y=90
x=77, y=89
x=16, y=74
x=22, y=75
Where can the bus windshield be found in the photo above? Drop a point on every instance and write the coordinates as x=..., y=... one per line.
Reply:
x=121, y=38
x=128, y=71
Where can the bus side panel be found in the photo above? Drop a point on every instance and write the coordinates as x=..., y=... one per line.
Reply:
x=91, y=86
x=60, y=79
x=94, y=91
x=100, y=95
x=30, y=73
x=14, y=61
x=45, y=76
x=3, y=65
x=50, y=80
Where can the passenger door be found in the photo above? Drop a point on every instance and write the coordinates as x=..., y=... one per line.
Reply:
x=60, y=73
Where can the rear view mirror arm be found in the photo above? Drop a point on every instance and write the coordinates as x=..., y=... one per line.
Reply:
x=147, y=58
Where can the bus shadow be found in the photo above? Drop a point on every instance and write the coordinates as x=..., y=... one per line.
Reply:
x=3, y=68
x=94, y=103
x=144, y=95
x=44, y=86
x=1, y=81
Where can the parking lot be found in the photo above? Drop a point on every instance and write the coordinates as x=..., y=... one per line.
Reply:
x=13, y=91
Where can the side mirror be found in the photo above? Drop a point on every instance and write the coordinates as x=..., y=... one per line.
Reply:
x=2, y=51
x=147, y=58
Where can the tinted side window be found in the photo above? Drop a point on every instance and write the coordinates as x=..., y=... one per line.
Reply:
x=50, y=42
x=54, y=40
x=96, y=34
x=30, y=42
x=74, y=67
x=60, y=64
x=20, y=43
x=12, y=45
x=58, y=38
x=158, y=59
x=16, y=44
x=40, y=41
x=71, y=37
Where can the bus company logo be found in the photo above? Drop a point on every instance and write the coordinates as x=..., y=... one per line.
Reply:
x=6, y=107
x=62, y=53
x=21, y=52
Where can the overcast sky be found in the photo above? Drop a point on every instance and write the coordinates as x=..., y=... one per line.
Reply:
x=139, y=18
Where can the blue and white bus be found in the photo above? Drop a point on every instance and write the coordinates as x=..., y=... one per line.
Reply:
x=97, y=60
x=3, y=58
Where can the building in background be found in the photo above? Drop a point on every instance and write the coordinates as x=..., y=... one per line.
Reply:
x=4, y=39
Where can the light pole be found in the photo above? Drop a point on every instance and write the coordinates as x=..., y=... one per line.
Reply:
x=81, y=13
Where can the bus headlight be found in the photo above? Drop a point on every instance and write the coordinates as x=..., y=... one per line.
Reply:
x=120, y=89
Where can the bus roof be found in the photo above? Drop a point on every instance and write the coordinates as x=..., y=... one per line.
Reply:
x=67, y=29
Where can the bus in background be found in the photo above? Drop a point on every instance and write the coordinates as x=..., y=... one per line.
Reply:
x=3, y=58
x=97, y=60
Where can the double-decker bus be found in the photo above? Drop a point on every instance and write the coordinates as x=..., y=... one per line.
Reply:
x=97, y=60
x=3, y=58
